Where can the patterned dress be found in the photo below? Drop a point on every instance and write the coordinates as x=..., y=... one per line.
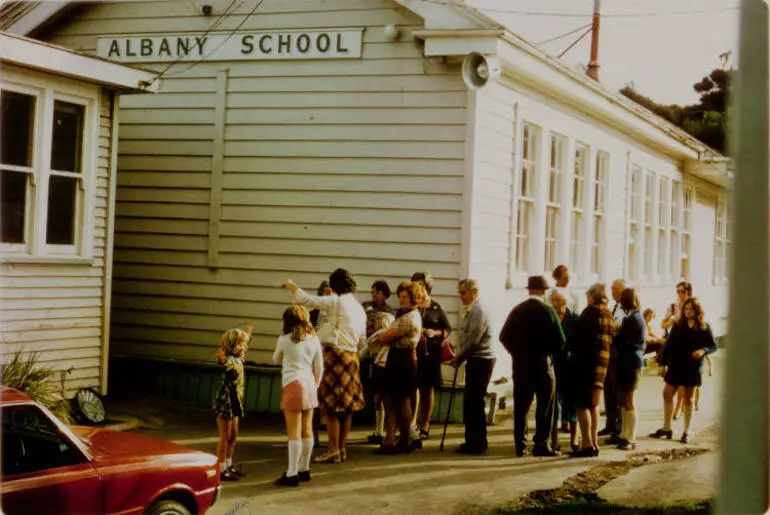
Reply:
x=229, y=400
x=591, y=352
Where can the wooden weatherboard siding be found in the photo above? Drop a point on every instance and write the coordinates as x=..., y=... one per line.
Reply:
x=500, y=111
x=58, y=309
x=326, y=163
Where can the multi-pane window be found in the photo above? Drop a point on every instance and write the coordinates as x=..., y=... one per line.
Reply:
x=525, y=200
x=17, y=161
x=722, y=242
x=554, y=200
x=600, y=206
x=664, y=208
x=635, y=222
x=687, y=216
x=674, y=228
x=649, y=220
x=42, y=149
x=578, y=204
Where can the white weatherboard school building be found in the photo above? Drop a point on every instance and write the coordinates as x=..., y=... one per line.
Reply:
x=57, y=185
x=302, y=136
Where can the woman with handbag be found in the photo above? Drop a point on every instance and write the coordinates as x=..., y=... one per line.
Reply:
x=476, y=350
x=341, y=334
x=433, y=347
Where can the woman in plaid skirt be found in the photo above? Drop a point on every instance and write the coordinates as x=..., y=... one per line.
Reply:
x=588, y=366
x=342, y=333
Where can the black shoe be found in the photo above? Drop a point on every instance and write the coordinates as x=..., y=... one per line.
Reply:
x=660, y=433
x=521, y=452
x=387, y=450
x=414, y=445
x=304, y=476
x=685, y=438
x=544, y=451
x=285, y=480
x=575, y=447
x=627, y=446
x=467, y=449
x=375, y=439
x=228, y=476
x=585, y=452
x=615, y=440
x=606, y=432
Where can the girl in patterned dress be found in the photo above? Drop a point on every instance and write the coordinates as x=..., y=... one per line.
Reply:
x=228, y=404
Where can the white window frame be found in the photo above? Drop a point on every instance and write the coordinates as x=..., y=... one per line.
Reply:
x=675, y=226
x=688, y=206
x=558, y=148
x=600, y=178
x=648, y=260
x=578, y=206
x=635, y=221
x=721, y=242
x=526, y=200
x=48, y=90
x=664, y=212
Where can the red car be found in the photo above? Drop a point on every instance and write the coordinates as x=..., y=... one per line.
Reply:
x=50, y=468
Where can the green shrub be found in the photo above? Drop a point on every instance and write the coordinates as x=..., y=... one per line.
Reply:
x=43, y=384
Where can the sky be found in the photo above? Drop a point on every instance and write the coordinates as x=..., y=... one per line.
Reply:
x=662, y=55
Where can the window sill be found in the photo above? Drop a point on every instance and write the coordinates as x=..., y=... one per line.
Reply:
x=47, y=260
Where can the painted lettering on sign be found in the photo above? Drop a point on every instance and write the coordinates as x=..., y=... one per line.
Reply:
x=345, y=44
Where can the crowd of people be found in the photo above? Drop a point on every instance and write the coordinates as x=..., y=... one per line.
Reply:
x=333, y=349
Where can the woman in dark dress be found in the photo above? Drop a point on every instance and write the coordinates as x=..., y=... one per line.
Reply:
x=629, y=343
x=565, y=407
x=435, y=329
x=588, y=366
x=400, y=378
x=682, y=360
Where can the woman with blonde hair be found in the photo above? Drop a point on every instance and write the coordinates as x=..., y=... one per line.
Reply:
x=298, y=351
x=688, y=344
x=588, y=366
x=402, y=337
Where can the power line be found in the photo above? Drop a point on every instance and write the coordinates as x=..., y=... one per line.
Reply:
x=566, y=14
x=213, y=26
x=563, y=35
x=578, y=40
x=230, y=35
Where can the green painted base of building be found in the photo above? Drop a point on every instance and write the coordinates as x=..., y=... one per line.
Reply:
x=197, y=383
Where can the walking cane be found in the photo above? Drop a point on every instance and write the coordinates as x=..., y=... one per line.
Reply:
x=449, y=410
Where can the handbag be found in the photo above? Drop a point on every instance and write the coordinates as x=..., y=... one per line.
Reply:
x=447, y=351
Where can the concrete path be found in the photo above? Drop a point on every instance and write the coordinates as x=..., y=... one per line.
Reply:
x=426, y=481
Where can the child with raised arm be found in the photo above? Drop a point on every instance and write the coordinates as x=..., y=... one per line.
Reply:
x=228, y=404
x=299, y=353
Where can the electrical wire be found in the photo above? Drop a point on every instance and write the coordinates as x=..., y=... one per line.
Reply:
x=563, y=35
x=566, y=14
x=578, y=40
x=217, y=22
x=230, y=35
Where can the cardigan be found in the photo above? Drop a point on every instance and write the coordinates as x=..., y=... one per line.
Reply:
x=630, y=341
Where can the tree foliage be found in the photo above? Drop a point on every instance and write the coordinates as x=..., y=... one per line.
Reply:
x=706, y=120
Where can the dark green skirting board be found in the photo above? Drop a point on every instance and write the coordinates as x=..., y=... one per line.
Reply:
x=197, y=383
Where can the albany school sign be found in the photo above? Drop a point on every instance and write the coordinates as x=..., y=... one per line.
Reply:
x=331, y=44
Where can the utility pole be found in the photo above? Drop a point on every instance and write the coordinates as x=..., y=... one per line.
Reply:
x=744, y=476
x=593, y=65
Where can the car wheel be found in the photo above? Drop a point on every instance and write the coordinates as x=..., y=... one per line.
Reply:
x=168, y=507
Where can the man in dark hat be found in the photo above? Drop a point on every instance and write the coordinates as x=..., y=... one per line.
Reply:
x=532, y=334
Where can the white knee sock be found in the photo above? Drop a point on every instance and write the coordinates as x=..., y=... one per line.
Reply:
x=295, y=451
x=623, y=424
x=630, y=426
x=307, y=450
x=379, y=427
x=687, y=417
x=668, y=412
